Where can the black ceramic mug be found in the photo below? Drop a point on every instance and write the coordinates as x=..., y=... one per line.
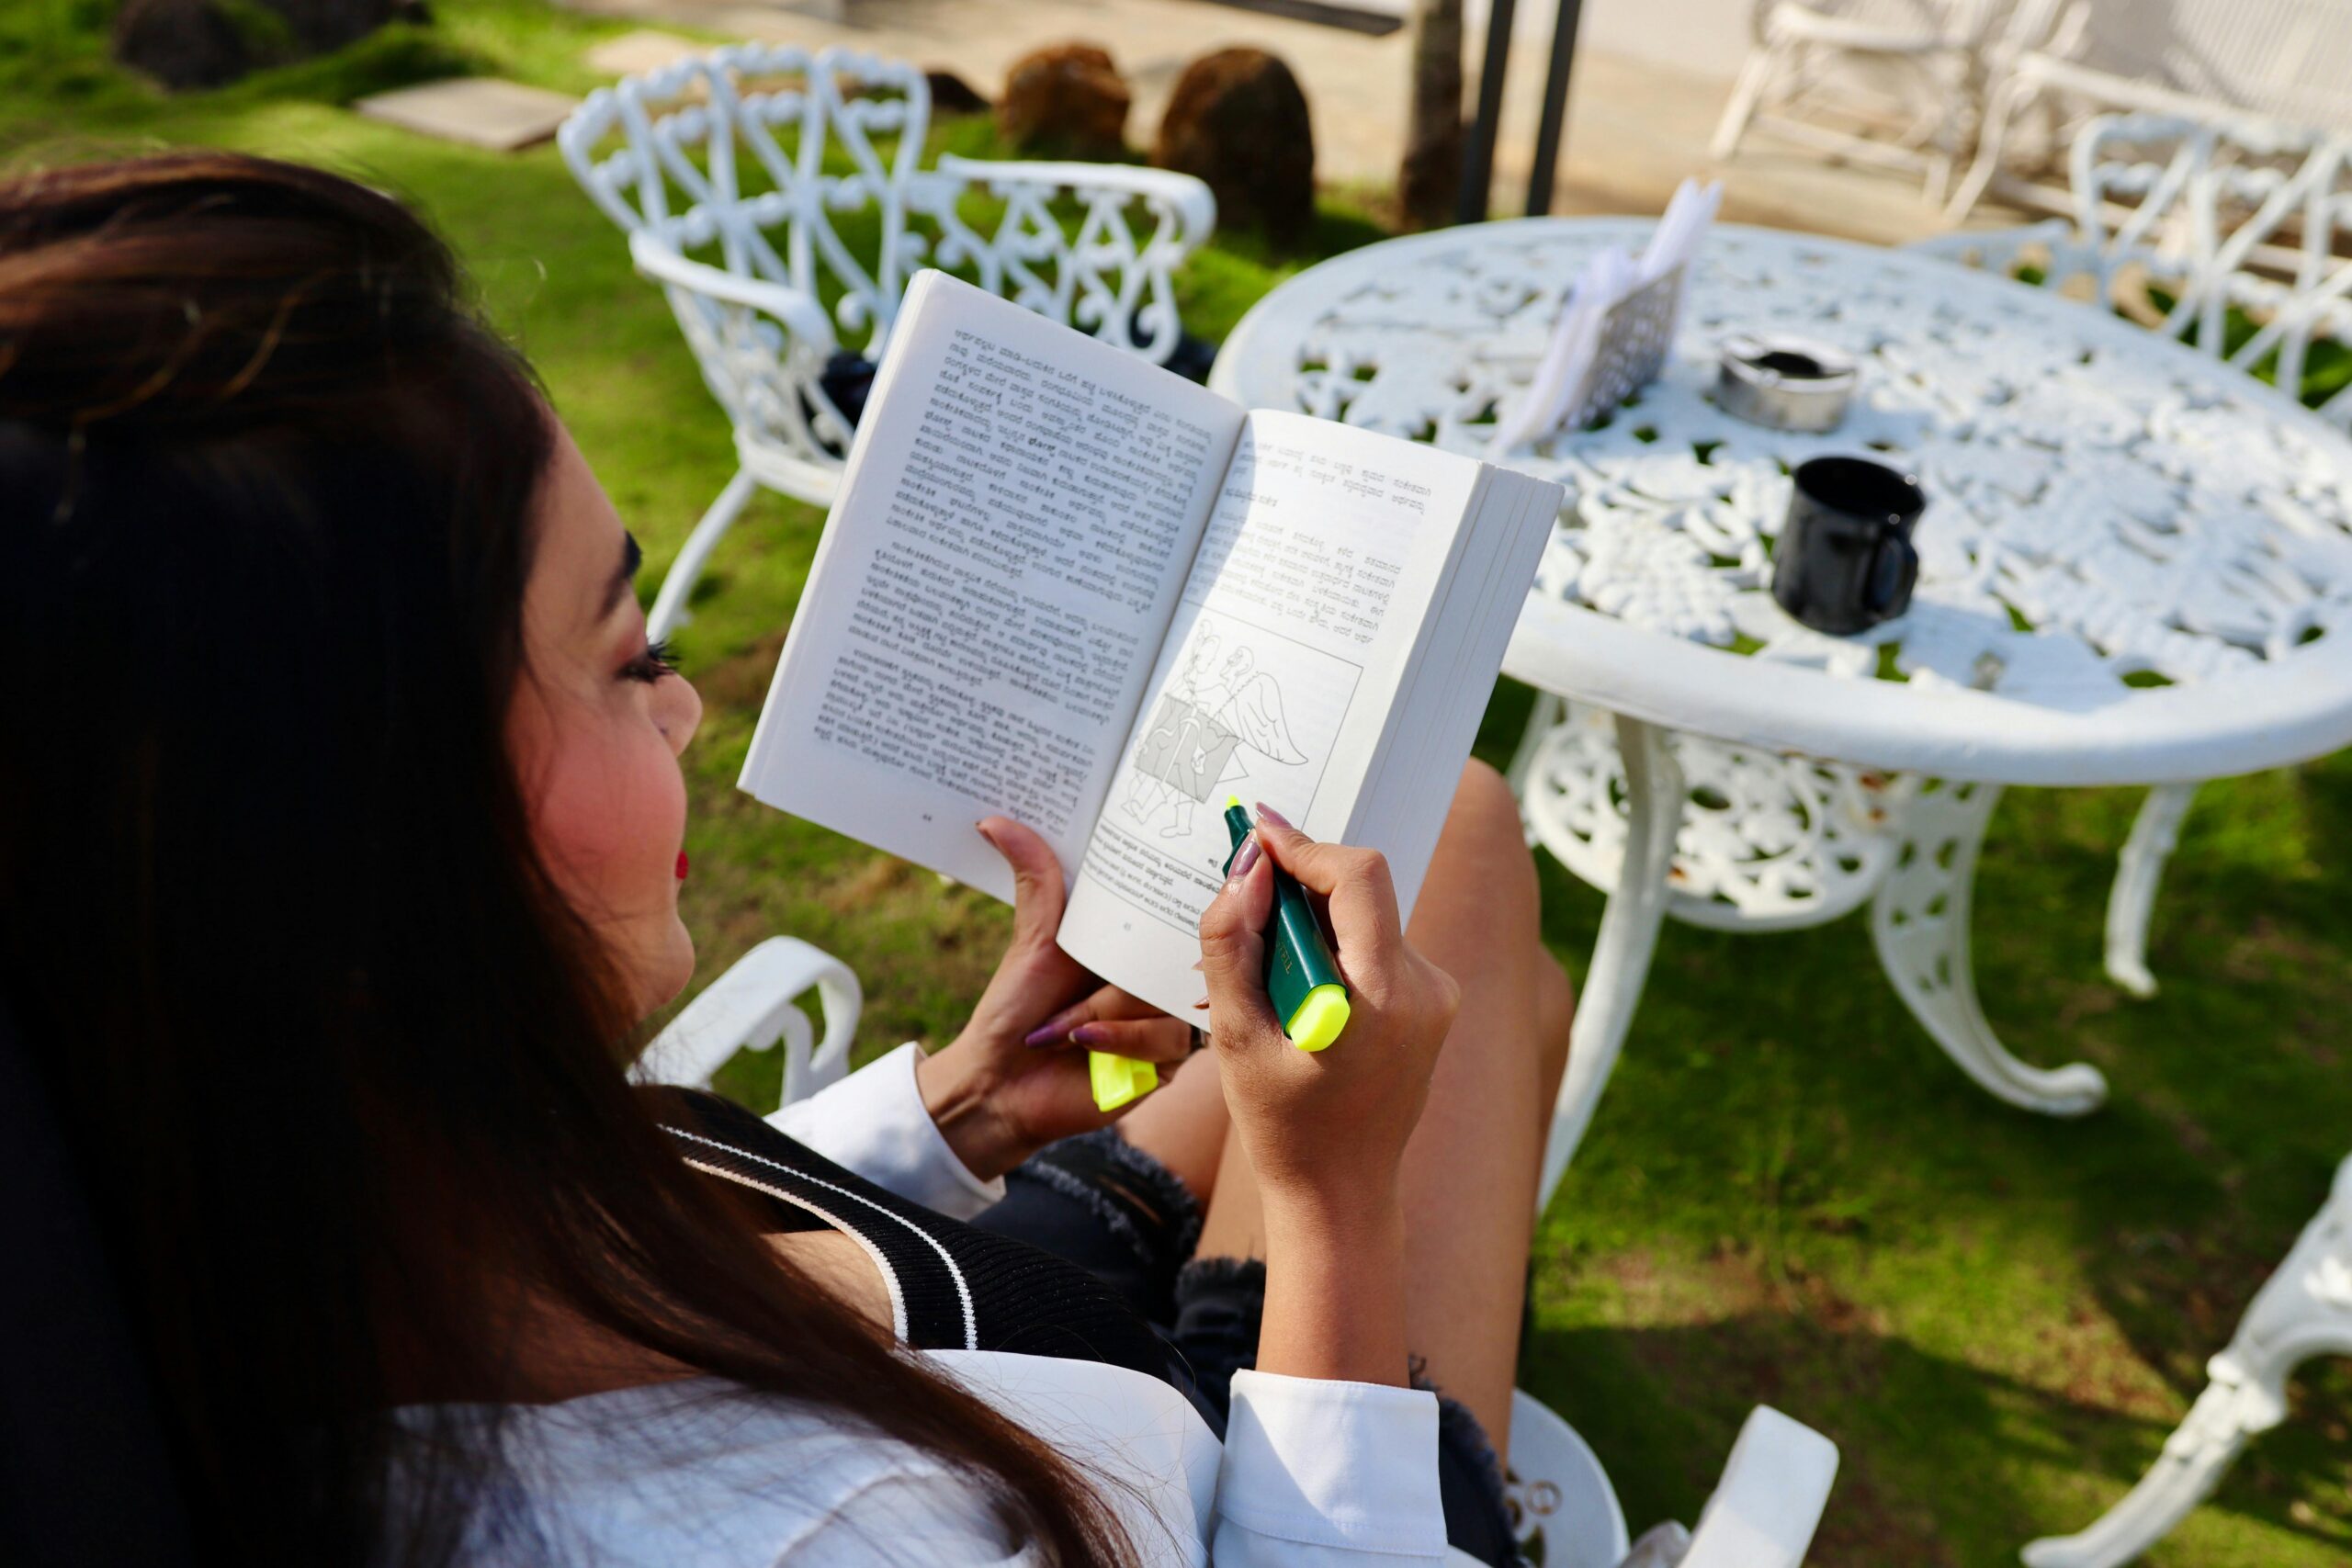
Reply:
x=1844, y=562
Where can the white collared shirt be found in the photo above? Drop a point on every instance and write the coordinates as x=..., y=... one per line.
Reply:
x=1311, y=1475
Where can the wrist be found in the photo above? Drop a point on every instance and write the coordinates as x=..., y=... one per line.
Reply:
x=1364, y=1217
x=1335, y=1289
x=959, y=1095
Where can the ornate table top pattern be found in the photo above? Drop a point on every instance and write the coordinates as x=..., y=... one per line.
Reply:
x=2110, y=514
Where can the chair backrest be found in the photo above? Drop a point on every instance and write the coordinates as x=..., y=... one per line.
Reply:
x=726, y=148
x=780, y=198
x=2311, y=301
x=2188, y=202
x=806, y=169
x=2179, y=221
x=2240, y=213
x=2152, y=195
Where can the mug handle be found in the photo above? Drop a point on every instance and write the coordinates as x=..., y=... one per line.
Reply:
x=1888, y=598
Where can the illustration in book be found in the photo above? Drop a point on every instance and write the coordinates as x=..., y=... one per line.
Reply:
x=1216, y=711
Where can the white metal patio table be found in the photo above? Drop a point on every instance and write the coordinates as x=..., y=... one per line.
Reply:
x=2136, y=568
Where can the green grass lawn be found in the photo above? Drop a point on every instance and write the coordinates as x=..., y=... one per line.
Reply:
x=1788, y=1195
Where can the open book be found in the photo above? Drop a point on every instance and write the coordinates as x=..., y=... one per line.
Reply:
x=1069, y=586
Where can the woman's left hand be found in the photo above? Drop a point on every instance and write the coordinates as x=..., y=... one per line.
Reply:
x=1016, y=1079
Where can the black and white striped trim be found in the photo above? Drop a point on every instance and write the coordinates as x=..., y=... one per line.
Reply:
x=783, y=1192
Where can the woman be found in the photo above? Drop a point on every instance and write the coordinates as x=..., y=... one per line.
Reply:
x=342, y=861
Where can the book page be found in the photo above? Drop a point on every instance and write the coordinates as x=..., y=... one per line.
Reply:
x=1000, y=563
x=1299, y=621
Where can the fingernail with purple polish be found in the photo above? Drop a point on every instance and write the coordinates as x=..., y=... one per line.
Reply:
x=1269, y=814
x=1089, y=1034
x=1044, y=1034
x=1244, y=858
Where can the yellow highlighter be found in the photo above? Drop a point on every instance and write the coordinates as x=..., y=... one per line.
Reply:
x=1302, y=978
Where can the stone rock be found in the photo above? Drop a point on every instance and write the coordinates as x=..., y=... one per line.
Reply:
x=323, y=25
x=204, y=43
x=1238, y=120
x=181, y=43
x=1068, y=99
x=950, y=94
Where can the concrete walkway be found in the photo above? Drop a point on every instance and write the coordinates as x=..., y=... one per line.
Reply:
x=1634, y=127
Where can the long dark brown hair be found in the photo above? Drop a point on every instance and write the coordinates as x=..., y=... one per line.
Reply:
x=342, y=1070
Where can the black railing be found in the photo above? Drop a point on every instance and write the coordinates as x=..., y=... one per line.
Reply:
x=1478, y=152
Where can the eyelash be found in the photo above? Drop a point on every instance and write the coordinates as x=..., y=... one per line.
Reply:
x=655, y=662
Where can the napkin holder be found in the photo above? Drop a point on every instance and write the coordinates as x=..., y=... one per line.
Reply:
x=1634, y=335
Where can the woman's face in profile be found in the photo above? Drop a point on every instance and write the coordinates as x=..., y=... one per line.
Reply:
x=596, y=729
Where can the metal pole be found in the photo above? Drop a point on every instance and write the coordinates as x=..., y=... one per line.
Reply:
x=1555, y=107
x=1478, y=156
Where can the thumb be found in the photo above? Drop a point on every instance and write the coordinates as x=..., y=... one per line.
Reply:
x=1038, y=890
x=1233, y=946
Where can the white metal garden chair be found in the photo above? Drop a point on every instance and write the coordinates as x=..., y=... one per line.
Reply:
x=1812, y=61
x=2240, y=213
x=778, y=197
x=2213, y=61
x=2302, y=1310
x=1764, y=1509
x=2194, y=209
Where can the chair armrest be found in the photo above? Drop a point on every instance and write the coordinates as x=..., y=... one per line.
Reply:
x=657, y=259
x=1770, y=1501
x=1188, y=197
x=751, y=1006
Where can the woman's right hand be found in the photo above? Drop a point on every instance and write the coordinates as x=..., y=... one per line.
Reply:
x=1325, y=1129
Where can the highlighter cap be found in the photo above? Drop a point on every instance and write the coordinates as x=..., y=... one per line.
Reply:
x=1116, y=1080
x=1320, y=1018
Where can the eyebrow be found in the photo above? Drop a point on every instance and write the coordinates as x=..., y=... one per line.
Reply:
x=630, y=557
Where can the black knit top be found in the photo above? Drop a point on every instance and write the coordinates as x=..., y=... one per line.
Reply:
x=952, y=1287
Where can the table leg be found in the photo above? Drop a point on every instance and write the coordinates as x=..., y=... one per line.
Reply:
x=1919, y=921
x=1621, y=958
x=2137, y=871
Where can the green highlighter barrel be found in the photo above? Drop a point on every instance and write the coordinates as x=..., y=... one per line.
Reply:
x=1302, y=978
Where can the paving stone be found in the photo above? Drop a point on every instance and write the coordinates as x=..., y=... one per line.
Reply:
x=648, y=49
x=480, y=111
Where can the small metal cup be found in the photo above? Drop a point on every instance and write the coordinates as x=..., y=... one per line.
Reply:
x=1785, y=383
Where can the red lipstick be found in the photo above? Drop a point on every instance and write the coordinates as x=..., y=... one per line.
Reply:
x=681, y=866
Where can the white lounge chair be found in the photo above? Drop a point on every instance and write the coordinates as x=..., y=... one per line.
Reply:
x=2211, y=61
x=1764, y=1509
x=1812, y=62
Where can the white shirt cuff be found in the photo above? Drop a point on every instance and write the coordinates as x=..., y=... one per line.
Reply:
x=1347, y=1465
x=874, y=1122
